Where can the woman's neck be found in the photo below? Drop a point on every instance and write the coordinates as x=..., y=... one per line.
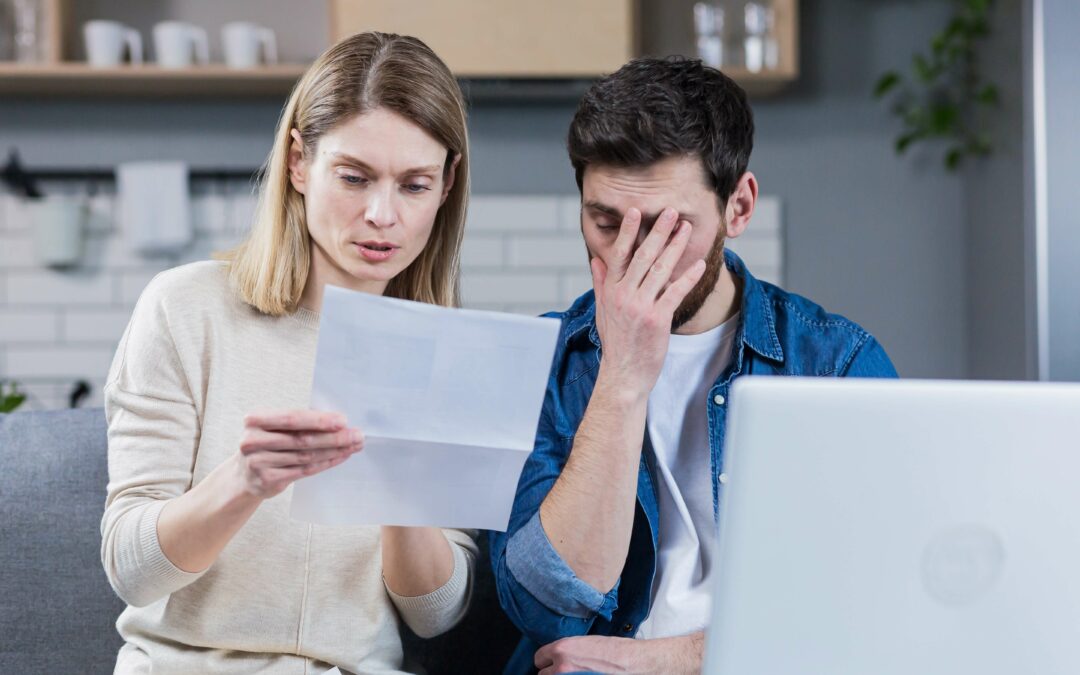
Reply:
x=324, y=271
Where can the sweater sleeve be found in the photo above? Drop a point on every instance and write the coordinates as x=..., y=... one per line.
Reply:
x=153, y=433
x=440, y=610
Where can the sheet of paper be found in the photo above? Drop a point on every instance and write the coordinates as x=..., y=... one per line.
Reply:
x=448, y=400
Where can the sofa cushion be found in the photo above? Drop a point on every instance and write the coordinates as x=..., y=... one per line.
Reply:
x=57, y=611
x=56, y=607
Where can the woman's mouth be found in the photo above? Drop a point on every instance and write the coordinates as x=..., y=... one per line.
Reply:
x=375, y=251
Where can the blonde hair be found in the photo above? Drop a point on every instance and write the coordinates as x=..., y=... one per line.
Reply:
x=357, y=75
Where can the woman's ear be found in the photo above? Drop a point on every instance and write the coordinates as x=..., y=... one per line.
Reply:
x=740, y=206
x=298, y=165
x=451, y=175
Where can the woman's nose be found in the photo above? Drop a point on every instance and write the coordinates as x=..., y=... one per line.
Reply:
x=380, y=210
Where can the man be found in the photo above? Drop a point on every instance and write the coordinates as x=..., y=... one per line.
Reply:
x=607, y=561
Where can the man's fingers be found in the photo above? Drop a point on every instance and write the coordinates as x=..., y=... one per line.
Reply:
x=651, y=248
x=259, y=440
x=545, y=656
x=681, y=287
x=599, y=272
x=623, y=248
x=660, y=272
x=295, y=420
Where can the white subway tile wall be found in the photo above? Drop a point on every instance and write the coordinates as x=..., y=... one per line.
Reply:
x=521, y=254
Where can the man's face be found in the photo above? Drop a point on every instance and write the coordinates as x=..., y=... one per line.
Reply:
x=678, y=182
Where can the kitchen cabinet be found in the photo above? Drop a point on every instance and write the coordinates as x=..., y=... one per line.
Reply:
x=501, y=49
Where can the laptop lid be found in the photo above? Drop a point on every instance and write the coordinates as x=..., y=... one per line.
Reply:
x=884, y=526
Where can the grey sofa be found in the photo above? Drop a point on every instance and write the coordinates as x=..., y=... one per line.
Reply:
x=56, y=607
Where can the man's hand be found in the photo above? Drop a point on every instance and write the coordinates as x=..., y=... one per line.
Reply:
x=595, y=653
x=634, y=301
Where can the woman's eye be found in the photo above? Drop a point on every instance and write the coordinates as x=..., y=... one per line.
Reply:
x=415, y=188
x=353, y=180
x=607, y=227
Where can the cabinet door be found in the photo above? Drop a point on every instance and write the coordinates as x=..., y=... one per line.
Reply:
x=504, y=38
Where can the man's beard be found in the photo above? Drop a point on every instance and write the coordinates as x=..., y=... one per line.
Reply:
x=692, y=303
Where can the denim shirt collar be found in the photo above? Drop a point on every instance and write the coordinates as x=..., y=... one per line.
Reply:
x=758, y=322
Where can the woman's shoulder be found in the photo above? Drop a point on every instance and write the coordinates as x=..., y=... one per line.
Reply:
x=199, y=287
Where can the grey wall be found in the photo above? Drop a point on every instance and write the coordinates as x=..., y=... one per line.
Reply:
x=881, y=239
x=997, y=324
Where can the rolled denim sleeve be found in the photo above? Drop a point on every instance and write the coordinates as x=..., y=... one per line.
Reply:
x=868, y=359
x=538, y=567
x=537, y=588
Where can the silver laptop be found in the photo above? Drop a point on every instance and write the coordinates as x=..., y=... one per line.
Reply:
x=879, y=527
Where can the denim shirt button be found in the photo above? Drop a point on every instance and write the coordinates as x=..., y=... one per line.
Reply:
x=718, y=399
x=722, y=478
x=627, y=627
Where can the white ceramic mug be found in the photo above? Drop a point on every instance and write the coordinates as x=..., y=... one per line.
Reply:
x=106, y=42
x=180, y=45
x=58, y=224
x=243, y=43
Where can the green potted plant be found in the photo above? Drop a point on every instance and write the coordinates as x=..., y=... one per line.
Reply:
x=10, y=397
x=939, y=98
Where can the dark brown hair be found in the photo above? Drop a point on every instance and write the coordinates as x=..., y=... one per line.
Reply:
x=652, y=109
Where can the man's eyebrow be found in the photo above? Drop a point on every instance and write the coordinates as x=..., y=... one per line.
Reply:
x=647, y=219
x=603, y=208
x=433, y=168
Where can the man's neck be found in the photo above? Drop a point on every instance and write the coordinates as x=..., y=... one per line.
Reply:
x=722, y=304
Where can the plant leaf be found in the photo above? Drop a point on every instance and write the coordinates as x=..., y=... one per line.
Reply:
x=988, y=95
x=943, y=118
x=904, y=141
x=915, y=116
x=923, y=70
x=953, y=158
x=886, y=83
x=10, y=402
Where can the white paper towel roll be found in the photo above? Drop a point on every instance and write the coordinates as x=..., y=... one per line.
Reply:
x=155, y=206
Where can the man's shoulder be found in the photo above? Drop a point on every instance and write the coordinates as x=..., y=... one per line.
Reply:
x=814, y=340
x=576, y=320
x=805, y=314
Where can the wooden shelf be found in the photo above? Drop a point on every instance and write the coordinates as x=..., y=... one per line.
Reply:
x=80, y=80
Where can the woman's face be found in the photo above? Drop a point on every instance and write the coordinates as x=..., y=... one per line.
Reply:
x=371, y=191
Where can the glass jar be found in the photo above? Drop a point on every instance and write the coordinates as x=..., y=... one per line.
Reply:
x=28, y=37
x=760, y=46
x=709, y=31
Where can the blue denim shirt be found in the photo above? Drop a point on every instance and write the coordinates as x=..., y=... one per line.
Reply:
x=780, y=334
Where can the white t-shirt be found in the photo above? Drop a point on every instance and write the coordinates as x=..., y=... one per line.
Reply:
x=679, y=429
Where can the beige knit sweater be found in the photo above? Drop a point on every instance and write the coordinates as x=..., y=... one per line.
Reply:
x=284, y=596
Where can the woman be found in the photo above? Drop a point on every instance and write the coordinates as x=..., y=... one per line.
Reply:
x=366, y=187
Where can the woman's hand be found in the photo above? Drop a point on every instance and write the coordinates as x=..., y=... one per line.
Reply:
x=279, y=447
x=276, y=449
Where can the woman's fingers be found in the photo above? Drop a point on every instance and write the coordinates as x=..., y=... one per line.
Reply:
x=321, y=465
x=259, y=440
x=296, y=420
x=299, y=458
x=660, y=272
